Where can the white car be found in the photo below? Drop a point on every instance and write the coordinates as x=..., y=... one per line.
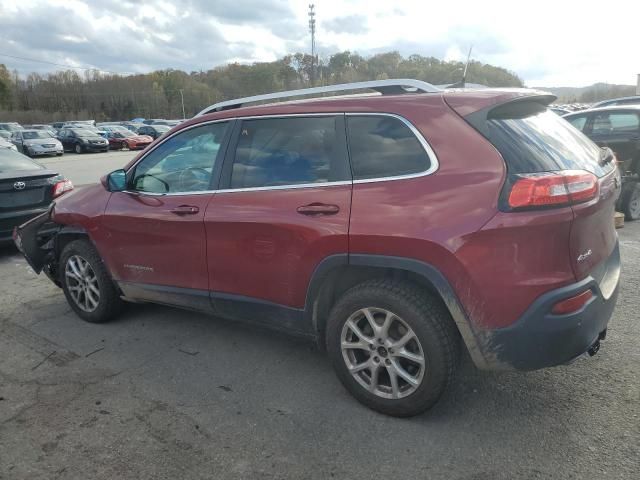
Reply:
x=5, y=144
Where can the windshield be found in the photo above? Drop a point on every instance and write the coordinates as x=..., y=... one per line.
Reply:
x=12, y=161
x=33, y=134
x=84, y=133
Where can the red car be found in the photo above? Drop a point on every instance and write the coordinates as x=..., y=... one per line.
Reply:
x=394, y=229
x=121, y=138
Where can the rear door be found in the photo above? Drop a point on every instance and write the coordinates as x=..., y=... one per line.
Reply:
x=618, y=130
x=155, y=239
x=283, y=206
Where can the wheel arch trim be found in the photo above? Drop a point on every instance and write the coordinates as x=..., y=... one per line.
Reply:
x=431, y=274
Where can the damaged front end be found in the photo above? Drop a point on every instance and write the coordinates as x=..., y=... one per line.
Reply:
x=36, y=240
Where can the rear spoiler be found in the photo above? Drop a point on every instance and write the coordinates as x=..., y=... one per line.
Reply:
x=476, y=109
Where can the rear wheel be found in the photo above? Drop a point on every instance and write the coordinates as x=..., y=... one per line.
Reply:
x=393, y=346
x=86, y=283
x=630, y=200
x=124, y=146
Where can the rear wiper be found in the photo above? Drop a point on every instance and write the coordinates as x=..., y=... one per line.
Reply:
x=606, y=156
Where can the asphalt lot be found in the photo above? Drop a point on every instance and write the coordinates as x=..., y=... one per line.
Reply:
x=86, y=168
x=164, y=393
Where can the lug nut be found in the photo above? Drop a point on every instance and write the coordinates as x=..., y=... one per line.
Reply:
x=387, y=361
x=376, y=359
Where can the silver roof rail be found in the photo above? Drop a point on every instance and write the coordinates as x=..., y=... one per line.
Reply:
x=385, y=87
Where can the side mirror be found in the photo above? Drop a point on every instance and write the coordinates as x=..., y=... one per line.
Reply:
x=117, y=181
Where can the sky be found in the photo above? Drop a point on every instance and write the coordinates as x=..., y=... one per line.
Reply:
x=546, y=43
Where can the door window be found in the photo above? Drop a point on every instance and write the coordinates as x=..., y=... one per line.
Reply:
x=622, y=122
x=289, y=151
x=384, y=146
x=183, y=163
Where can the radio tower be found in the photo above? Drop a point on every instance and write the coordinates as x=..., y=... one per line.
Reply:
x=312, y=30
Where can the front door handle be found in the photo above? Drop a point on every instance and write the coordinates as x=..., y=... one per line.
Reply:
x=315, y=209
x=185, y=210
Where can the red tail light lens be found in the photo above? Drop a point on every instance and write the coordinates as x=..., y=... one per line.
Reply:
x=572, y=304
x=549, y=189
x=61, y=187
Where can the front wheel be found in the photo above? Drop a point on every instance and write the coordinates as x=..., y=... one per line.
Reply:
x=393, y=346
x=79, y=148
x=86, y=283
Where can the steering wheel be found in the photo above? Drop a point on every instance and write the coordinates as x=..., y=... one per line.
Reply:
x=189, y=180
x=164, y=184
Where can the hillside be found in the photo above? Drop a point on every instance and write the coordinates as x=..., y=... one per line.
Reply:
x=591, y=93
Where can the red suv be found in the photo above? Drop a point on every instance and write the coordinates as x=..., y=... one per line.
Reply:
x=395, y=229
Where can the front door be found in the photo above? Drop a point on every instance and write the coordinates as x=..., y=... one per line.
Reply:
x=282, y=208
x=154, y=231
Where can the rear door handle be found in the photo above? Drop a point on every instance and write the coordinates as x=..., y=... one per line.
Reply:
x=185, y=210
x=315, y=209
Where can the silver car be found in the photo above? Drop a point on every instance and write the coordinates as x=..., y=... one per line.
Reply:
x=34, y=143
x=6, y=144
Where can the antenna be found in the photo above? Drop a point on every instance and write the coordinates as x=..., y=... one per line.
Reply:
x=462, y=83
x=464, y=74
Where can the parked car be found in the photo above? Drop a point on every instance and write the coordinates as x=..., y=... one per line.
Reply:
x=5, y=134
x=360, y=222
x=168, y=123
x=7, y=144
x=121, y=138
x=34, y=143
x=26, y=189
x=617, y=127
x=559, y=111
x=153, y=131
x=152, y=121
x=634, y=100
x=134, y=127
x=10, y=126
x=47, y=128
x=98, y=131
x=82, y=140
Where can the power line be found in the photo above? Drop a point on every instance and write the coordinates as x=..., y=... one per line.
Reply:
x=64, y=65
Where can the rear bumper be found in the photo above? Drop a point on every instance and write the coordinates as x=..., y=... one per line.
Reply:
x=542, y=339
x=13, y=219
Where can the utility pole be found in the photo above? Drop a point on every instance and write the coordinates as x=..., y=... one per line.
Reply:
x=312, y=30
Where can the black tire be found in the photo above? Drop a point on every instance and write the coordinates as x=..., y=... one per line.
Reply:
x=58, y=154
x=109, y=304
x=433, y=327
x=124, y=146
x=630, y=200
x=25, y=150
x=78, y=148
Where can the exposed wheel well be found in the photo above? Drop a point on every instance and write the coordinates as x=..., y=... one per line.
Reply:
x=340, y=279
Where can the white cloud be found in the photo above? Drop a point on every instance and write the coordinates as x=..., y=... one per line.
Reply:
x=549, y=43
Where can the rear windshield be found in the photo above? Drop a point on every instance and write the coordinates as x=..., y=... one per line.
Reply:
x=533, y=139
x=11, y=161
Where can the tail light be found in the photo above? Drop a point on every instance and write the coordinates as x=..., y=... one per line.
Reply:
x=60, y=187
x=552, y=189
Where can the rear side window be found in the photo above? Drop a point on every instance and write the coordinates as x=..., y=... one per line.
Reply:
x=384, y=146
x=289, y=151
x=532, y=139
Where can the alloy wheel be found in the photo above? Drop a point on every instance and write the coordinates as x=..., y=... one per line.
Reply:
x=382, y=353
x=82, y=283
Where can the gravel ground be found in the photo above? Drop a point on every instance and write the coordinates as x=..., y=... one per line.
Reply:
x=163, y=393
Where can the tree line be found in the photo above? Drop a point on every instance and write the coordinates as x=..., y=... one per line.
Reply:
x=69, y=95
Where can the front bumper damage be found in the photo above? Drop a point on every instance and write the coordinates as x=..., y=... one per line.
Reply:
x=36, y=240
